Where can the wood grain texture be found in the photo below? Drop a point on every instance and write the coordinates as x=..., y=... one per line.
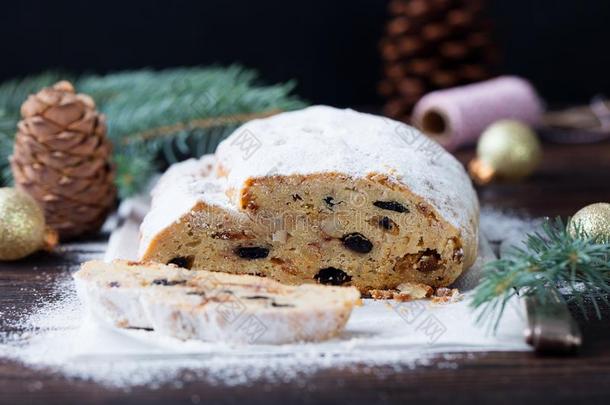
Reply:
x=570, y=177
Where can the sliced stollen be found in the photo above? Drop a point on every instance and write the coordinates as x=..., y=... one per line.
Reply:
x=320, y=195
x=212, y=306
x=113, y=291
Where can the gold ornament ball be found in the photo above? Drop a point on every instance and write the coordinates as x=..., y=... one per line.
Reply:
x=22, y=224
x=593, y=221
x=510, y=148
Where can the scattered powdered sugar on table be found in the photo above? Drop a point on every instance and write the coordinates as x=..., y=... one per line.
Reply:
x=381, y=337
x=506, y=229
x=61, y=337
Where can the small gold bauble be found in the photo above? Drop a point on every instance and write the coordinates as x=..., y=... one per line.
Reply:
x=510, y=149
x=592, y=221
x=22, y=225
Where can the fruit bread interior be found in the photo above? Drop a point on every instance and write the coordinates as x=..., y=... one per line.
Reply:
x=329, y=196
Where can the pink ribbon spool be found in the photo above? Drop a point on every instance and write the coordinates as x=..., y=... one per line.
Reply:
x=456, y=117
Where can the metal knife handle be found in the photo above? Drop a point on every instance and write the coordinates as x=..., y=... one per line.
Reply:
x=551, y=327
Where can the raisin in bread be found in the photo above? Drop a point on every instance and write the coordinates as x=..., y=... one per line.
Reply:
x=212, y=306
x=319, y=195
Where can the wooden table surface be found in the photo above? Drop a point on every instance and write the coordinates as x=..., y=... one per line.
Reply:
x=570, y=177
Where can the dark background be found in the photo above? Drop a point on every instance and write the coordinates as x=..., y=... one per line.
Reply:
x=329, y=46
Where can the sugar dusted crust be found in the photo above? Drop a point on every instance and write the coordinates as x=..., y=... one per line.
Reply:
x=323, y=139
x=378, y=211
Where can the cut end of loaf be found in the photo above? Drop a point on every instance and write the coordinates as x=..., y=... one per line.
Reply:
x=327, y=229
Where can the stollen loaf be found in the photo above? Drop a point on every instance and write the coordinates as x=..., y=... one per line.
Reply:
x=320, y=195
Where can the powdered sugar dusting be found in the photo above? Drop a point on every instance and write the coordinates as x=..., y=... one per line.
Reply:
x=126, y=358
x=323, y=139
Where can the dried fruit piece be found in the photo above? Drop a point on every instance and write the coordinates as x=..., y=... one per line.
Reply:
x=391, y=206
x=357, y=242
x=385, y=223
x=330, y=202
x=332, y=276
x=166, y=282
x=183, y=261
x=262, y=297
x=201, y=293
x=276, y=305
x=429, y=261
x=252, y=252
x=227, y=235
x=256, y=297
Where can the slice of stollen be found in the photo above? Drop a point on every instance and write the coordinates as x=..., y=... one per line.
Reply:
x=213, y=306
x=113, y=291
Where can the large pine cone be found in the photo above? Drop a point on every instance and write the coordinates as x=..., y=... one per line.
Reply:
x=62, y=158
x=430, y=45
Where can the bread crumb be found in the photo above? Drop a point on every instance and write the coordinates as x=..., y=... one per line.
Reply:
x=381, y=294
x=403, y=297
x=415, y=290
x=444, y=295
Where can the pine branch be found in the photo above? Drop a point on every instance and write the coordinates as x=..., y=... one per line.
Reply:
x=552, y=260
x=203, y=123
x=156, y=118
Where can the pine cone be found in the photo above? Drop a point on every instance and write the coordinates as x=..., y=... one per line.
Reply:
x=62, y=158
x=432, y=44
